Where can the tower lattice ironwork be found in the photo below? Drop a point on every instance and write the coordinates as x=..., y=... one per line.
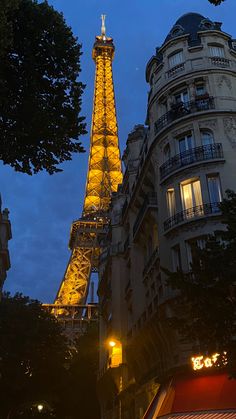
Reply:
x=103, y=177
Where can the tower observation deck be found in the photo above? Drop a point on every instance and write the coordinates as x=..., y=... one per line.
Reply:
x=103, y=177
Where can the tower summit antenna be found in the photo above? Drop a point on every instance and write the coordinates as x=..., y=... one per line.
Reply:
x=103, y=29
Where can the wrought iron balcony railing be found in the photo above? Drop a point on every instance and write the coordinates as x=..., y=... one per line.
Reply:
x=194, y=155
x=190, y=213
x=149, y=201
x=179, y=110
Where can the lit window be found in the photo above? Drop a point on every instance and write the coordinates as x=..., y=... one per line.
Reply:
x=176, y=59
x=217, y=51
x=170, y=197
x=207, y=137
x=191, y=197
x=214, y=189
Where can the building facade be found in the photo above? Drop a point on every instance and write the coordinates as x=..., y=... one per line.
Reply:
x=178, y=167
x=5, y=236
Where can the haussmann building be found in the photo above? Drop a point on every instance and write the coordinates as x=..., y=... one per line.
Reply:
x=178, y=167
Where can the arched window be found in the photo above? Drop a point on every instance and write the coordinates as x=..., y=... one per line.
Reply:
x=207, y=137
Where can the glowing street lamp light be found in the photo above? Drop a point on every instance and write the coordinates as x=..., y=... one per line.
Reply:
x=112, y=343
x=40, y=407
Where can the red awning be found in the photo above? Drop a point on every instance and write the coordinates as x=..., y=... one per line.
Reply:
x=194, y=394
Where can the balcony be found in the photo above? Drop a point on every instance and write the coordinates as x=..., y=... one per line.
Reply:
x=179, y=110
x=220, y=61
x=175, y=70
x=188, y=157
x=150, y=201
x=190, y=213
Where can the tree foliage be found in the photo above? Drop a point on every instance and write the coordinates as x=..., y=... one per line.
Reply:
x=40, y=95
x=216, y=2
x=38, y=364
x=205, y=310
x=33, y=353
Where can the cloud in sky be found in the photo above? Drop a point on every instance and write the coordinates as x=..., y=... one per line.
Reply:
x=42, y=207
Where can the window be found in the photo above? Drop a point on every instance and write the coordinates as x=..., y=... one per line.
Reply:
x=207, y=137
x=182, y=97
x=191, y=196
x=176, y=59
x=185, y=143
x=170, y=197
x=214, y=189
x=176, y=257
x=200, y=89
x=166, y=152
x=191, y=246
x=217, y=51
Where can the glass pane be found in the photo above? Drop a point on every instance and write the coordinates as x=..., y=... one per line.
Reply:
x=200, y=90
x=214, y=189
x=176, y=59
x=197, y=194
x=171, y=202
x=187, y=198
x=217, y=51
x=207, y=138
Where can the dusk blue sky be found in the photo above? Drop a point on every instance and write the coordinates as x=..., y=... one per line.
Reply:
x=42, y=207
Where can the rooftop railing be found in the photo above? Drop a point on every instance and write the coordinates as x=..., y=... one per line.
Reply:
x=193, y=155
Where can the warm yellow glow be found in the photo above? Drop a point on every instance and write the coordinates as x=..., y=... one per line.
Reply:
x=103, y=177
x=40, y=407
x=199, y=362
x=112, y=343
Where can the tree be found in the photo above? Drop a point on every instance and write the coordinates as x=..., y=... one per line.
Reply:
x=40, y=366
x=205, y=309
x=216, y=2
x=33, y=353
x=40, y=95
x=81, y=395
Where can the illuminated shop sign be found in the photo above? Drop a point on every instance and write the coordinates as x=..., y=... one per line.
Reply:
x=216, y=360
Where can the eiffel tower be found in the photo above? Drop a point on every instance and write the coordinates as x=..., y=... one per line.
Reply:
x=103, y=177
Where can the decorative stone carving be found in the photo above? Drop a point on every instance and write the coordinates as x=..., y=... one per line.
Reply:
x=208, y=123
x=230, y=130
x=224, y=80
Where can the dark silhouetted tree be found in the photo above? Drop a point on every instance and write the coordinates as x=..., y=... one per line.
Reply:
x=40, y=95
x=216, y=2
x=33, y=354
x=205, y=309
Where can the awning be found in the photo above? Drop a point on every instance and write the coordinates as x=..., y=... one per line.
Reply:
x=185, y=397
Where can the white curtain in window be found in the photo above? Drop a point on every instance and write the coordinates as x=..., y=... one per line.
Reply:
x=197, y=194
x=217, y=51
x=214, y=189
x=191, y=194
x=176, y=59
x=171, y=202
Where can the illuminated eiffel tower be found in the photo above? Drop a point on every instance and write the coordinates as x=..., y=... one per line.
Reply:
x=103, y=177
